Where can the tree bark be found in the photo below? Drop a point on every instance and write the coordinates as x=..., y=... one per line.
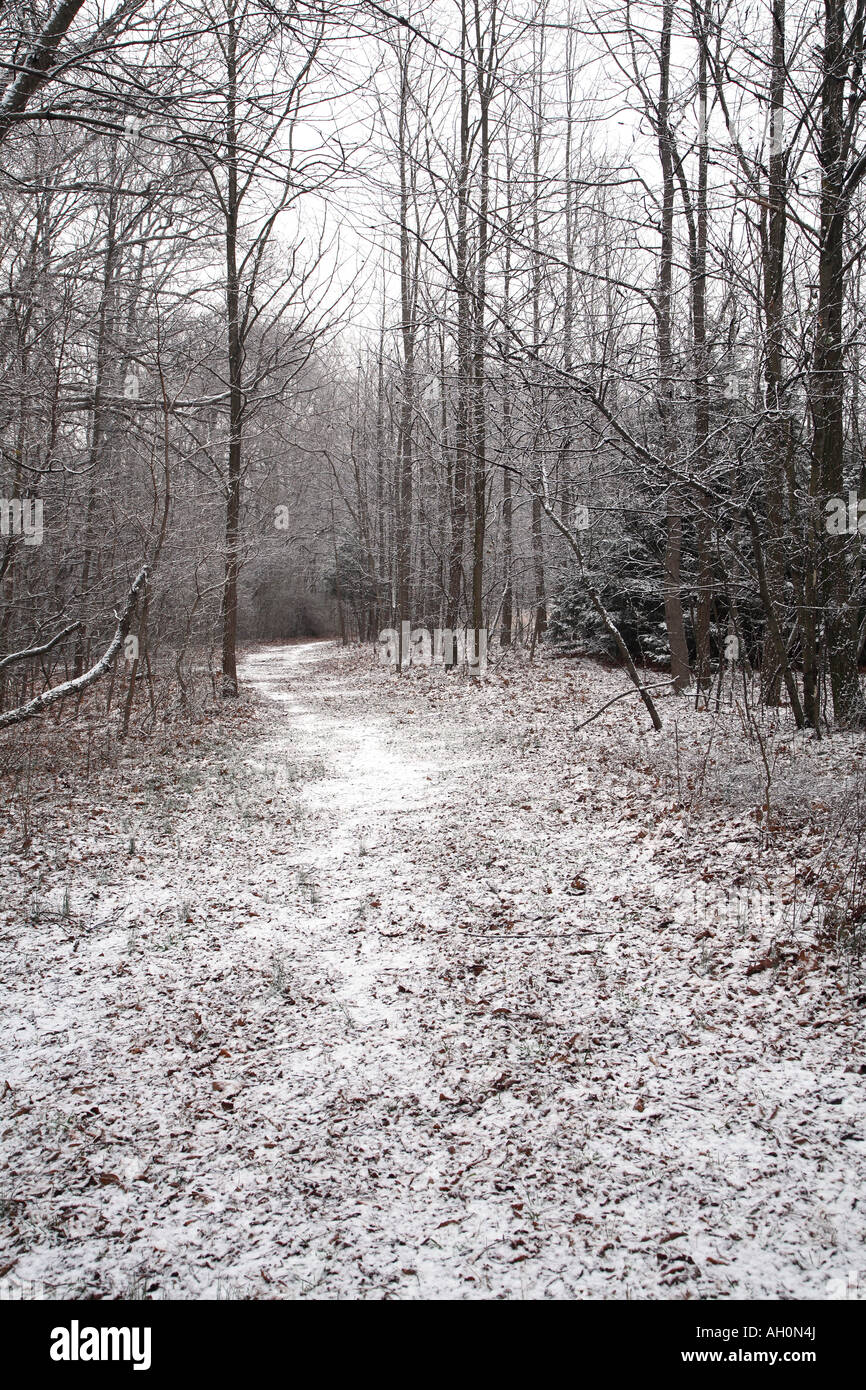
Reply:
x=673, y=548
x=827, y=383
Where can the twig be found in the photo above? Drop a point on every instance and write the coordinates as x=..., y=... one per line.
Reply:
x=60, y=692
x=638, y=690
x=38, y=651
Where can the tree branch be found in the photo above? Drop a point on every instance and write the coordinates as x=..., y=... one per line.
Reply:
x=61, y=692
x=38, y=651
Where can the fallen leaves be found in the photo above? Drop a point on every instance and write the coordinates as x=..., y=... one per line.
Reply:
x=416, y=1088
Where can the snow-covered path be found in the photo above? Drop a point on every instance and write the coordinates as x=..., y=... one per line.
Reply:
x=383, y=1005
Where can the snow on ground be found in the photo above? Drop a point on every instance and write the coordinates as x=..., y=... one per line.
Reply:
x=403, y=987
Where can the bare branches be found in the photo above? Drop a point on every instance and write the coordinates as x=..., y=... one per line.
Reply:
x=15, y=657
x=74, y=687
x=35, y=71
x=639, y=690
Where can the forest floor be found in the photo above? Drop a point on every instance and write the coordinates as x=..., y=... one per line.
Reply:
x=402, y=986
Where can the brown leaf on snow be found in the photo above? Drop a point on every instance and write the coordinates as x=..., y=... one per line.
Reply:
x=766, y=963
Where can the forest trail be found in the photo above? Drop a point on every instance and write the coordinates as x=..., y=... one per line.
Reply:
x=334, y=981
x=391, y=1002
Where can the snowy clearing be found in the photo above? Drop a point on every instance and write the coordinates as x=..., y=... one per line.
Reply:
x=395, y=987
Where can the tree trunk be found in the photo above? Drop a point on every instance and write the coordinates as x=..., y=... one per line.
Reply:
x=408, y=297
x=464, y=350
x=827, y=384
x=673, y=548
x=235, y=371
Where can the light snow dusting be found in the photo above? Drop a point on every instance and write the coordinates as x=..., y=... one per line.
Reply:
x=397, y=987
